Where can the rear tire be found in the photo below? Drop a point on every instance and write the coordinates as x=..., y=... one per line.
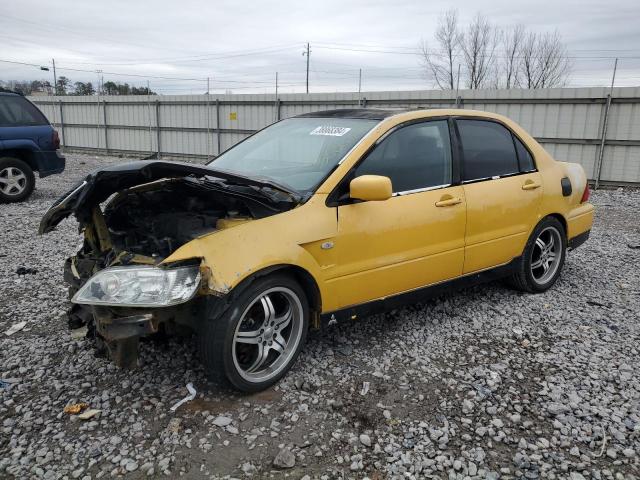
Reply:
x=542, y=259
x=16, y=180
x=255, y=341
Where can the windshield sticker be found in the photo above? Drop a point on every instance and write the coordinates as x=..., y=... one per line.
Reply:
x=330, y=131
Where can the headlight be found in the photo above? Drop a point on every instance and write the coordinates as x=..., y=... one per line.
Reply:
x=140, y=287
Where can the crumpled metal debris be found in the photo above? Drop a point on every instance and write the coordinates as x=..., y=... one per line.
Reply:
x=365, y=388
x=16, y=327
x=75, y=408
x=89, y=413
x=188, y=398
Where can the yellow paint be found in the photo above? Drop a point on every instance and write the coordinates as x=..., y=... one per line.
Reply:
x=370, y=188
x=233, y=116
x=369, y=250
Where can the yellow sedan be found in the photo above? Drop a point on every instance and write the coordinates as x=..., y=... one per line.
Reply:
x=325, y=217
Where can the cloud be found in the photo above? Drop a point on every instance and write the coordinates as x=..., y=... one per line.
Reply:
x=240, y=45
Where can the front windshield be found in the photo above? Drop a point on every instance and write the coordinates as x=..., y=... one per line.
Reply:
x=297, y=152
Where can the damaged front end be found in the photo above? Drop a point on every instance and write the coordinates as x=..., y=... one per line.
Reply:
x=135, y=216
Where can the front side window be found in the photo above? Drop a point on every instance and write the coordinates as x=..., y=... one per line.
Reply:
x=488, y=150
x=297, y=152
x=414, y=157
x=16, y=111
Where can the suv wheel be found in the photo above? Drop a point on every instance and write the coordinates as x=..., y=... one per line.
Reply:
x=16, y=180
x=542, y=259
x=258, y=338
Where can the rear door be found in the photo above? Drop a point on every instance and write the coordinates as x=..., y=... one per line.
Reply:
x=503, y=192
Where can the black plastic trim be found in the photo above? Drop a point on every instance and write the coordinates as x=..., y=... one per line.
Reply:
x=578, y=240
x=420, y=294
x=565, y=182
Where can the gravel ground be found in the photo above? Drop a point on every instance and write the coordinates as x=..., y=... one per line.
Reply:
x=483, y=383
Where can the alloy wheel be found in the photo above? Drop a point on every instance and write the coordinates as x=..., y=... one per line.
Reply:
x=546, y=255
x=268, y=334
x=13, y=181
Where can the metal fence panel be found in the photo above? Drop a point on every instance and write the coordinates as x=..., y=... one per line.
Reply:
x=567, y=121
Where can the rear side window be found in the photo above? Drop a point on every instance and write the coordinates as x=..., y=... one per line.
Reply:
x=525, y=158
x=488, y=150
x=414, y=157
x=16, y=111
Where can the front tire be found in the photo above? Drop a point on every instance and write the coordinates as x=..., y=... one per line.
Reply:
x=255, y=342
x=16, y=180
x=542, y=259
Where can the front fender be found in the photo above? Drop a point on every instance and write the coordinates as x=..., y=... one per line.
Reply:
x=290, y=238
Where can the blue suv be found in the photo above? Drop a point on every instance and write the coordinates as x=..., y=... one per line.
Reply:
x=28, y=143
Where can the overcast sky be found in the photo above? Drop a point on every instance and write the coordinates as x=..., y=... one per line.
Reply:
x=240, y=45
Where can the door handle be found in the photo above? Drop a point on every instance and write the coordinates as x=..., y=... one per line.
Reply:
x=448, y=202
x=529, y=185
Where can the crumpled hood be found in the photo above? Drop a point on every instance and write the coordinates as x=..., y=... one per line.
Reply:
x=101, y=184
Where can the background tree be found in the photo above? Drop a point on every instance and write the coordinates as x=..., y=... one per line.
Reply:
x=113, y=88
x=440, y=61
x=82, y=88
x=511, y=42
x=544, y=61
x=478, y=45
x=493, y=57
x=63, y=85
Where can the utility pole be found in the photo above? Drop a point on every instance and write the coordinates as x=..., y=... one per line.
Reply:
x=209, y=123
x=98, y=87
x=359, y=81
x=276, y=85
x=458, y=87
x=605, y=122
x=307, y=52
x=55, y=78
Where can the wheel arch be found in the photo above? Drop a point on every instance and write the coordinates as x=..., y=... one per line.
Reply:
x=24, y=154
x=301, y=275
x=561, y=219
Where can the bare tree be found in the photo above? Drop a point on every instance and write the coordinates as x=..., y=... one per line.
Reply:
x=511, y=40
x=478, y=45
x=544, y=61
x=439, y=62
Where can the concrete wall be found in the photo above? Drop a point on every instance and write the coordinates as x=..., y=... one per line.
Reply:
x=567, y=121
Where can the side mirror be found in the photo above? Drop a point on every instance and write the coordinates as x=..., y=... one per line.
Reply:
x=370, y=188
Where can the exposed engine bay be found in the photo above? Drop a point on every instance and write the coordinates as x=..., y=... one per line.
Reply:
x=156, y=220
x=138, y=214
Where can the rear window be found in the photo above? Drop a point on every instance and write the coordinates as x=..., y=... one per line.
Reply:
x=488, y=150
x=16, y=111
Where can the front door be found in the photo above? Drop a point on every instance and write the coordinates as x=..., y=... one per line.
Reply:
x=416, y=237
x=503, y=193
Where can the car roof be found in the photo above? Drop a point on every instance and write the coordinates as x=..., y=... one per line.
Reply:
x=6, y=91
x=400, y=115
x=366, y=113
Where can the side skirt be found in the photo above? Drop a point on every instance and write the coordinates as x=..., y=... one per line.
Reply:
x=419, y=295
